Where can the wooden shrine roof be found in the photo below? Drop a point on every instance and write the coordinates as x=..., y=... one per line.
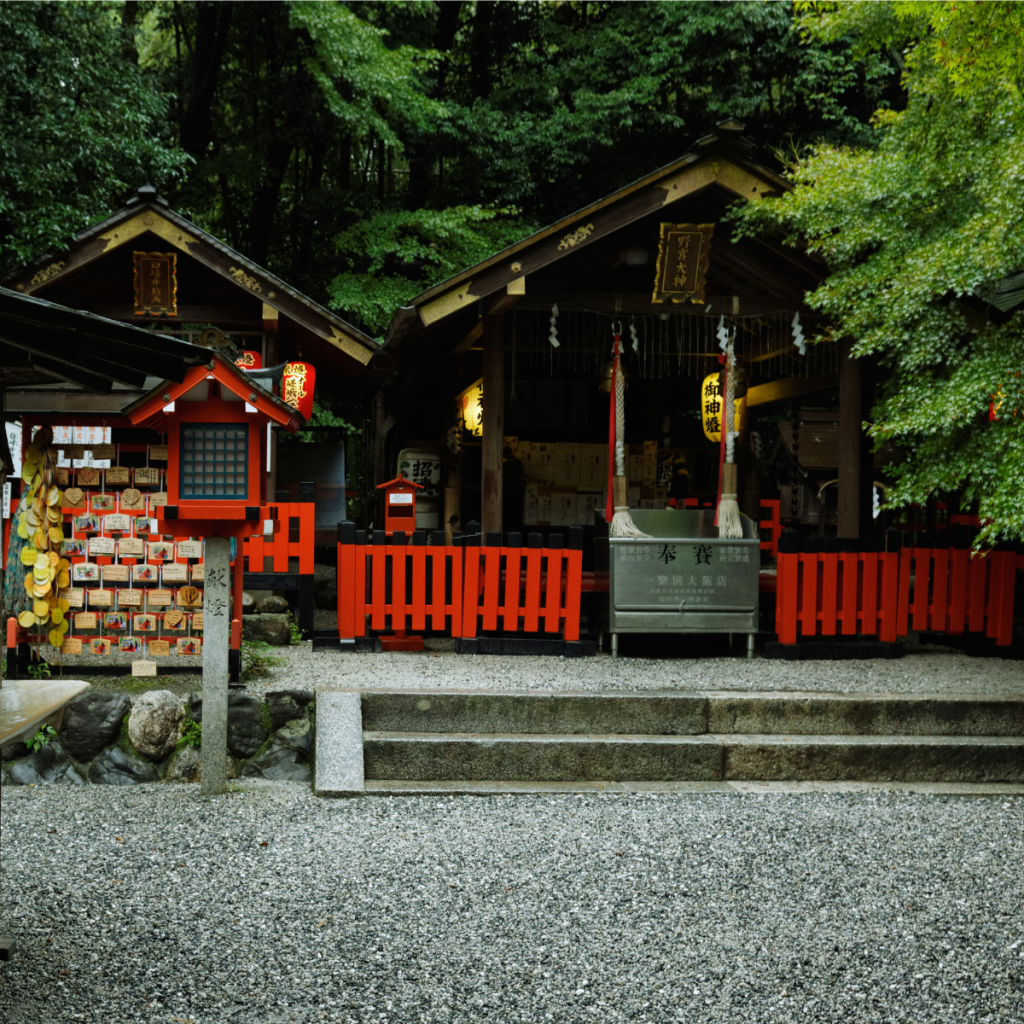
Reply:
x=82, y=276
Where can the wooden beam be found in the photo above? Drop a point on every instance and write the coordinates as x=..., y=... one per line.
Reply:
x=270, y=319
x=850, y=417
x=500, y=303
x=73, y=374
x=467, y=341
x=788, y=387
x=494, y=424
x=125, y=313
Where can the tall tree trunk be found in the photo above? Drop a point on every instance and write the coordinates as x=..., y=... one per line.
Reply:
x=212, y=23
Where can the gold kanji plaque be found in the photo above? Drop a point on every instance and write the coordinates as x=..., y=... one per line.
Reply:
x=156, y=283
x=684, y=251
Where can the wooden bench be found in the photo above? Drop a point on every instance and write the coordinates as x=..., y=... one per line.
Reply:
x=26, y=705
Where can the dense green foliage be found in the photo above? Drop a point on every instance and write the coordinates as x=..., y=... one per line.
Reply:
x=919, y=230
x=80, y=123
x=365, y=151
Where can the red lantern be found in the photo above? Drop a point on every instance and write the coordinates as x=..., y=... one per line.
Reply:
x=249, y=360
x=297, y=387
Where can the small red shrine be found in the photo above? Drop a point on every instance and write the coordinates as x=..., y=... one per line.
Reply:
x=399, y=505
x=216, y=424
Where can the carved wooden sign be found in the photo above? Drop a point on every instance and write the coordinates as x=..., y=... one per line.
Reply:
x=100, y=598
x=74, y=597
x=115, y=574
x=159, y=647
x=156, y=283
x=71, y=645
x=117, y=475
x=160, y=598
x=190, y=549
x=129, y=598
x=103, y=451
x=141, y=668
x=146, y=476
x=85, y=620
x=101, y=545
x=158, y=452
x=131, y=547
x=117, y=523
x=175, y=573
x=684, y=252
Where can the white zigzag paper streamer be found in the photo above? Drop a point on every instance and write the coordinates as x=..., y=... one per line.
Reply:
x=636, y=340
x=722, y=334
x=553, y=336
x=798, y=335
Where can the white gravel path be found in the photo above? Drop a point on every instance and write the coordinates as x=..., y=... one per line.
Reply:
x=270, y=907
x=933, y=670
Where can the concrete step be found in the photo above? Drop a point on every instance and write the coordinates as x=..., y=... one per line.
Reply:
x=518, y=757
x=681, y=714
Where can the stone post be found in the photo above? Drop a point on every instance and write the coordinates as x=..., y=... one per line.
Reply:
x=216, y=640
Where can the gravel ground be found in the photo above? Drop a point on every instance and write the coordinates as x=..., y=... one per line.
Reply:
x=270, y=907
x=931, y=670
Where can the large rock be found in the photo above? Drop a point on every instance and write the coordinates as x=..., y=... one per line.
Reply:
x=13, y=752
x=296, y=734
x=49, y=764
x=273, y=605
x=284, y=705
x=92, y=722
x=271, y=629
x=116, y=767
x=279, y=764
x=248, y=603
x=246, y=729
x=185, y=766
x=155, y=723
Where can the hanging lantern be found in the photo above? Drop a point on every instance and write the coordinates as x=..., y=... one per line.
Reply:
x=249, y=360
x=712, y=408
x=297, y=383
x=473, y=409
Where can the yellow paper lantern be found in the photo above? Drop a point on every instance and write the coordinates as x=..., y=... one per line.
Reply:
x=712, y=408
x=473, y=410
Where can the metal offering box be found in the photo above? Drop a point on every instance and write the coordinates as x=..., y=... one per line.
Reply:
x=682, y=578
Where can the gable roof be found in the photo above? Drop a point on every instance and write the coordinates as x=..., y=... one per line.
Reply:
x=718, y=162
x=146, y=212
x=148, y=411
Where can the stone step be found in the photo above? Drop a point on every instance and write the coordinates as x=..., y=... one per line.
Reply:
x=512, y=757
x=677, y=714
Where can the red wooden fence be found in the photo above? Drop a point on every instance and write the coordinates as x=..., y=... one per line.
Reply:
x=831, y=593
x=288, y=542
x=455, y=589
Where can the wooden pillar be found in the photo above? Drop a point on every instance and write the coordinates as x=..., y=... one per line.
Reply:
x=850, y=418
x=494, y=423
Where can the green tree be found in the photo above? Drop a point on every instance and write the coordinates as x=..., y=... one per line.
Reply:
x=80, y=123
x=920, y=232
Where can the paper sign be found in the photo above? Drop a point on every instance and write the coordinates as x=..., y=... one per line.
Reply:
x=75, y=598
x=159, y=647
x=71, y=645
x=190, y=549
x=160, y=598
x=158, y=452
x=100, y=598
x=117, y=523
x=115, y=574
x=143, y=668
x=146, y=476
x=85, y=620
x=197, y=621
x=129, y=598
x=131, y=547
x=175, y=573
x=103, y=451
x=117, y=475
x=198, y=573
x=101, y=545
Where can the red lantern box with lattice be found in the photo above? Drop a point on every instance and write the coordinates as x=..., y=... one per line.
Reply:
x=216, y=425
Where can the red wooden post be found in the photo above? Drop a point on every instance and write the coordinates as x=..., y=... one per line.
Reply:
x=573, y=589
x=979, y=578
x=418, y=606
x=849, y=562
x=347, y=580
x=553, y=589
x=922, y=573
x=531, y=603
x=470, y=590
x=940, y=589
x=788, y=587
x=513, y=584
x=458, y=594
x=958, y=584
x=809, y=594
x=378, y=556
x=490, y=558
x=829, y=592
x=870, y=600
x=903, y=600
x=397, y=552
x=1001, y=596
x=889, y=595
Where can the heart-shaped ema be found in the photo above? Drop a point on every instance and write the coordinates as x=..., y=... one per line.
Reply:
x=173, y=618
x=131, y=498
x=73, y=497
x=189, y=595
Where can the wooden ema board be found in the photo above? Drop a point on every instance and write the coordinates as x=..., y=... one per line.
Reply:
x=110, y=533
x=870, y=594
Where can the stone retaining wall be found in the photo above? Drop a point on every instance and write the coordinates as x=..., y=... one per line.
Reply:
x=112, y=740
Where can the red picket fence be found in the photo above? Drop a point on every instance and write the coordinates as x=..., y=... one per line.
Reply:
x=455, y=589
x=773, y=525
x=293, y=540
x=530, y=590
x=397, y=586
x=829, y=593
